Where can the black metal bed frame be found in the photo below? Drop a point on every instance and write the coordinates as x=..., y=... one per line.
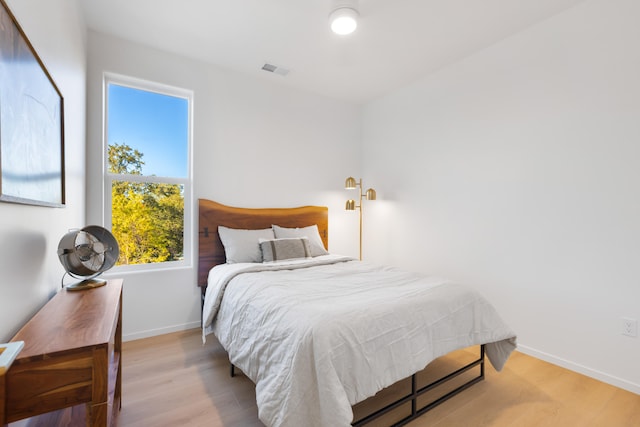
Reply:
x=417, y=392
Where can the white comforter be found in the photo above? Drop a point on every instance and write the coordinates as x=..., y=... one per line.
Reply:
x=317, y=336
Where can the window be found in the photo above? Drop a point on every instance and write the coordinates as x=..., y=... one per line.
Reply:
x=147, y=171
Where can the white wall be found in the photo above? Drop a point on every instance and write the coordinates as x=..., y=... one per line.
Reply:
x=30, y=272
x=256, y=144
x=517, y=171
x=514, y=170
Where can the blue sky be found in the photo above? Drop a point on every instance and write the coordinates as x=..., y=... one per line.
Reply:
x=154, y=124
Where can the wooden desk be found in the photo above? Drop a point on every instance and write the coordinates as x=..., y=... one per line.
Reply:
x=71, y=357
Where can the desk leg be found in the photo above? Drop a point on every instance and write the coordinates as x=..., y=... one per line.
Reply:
x=97, y=409
x=2, y=400
x=97, y=415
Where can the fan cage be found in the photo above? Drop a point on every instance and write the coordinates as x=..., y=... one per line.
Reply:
x=79, y=249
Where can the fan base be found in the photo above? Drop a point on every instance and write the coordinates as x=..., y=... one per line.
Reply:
x=86, y=284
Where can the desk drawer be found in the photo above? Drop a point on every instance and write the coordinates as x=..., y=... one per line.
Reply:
x=38, y=386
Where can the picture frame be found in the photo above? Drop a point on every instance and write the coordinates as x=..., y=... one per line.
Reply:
x=31, y=122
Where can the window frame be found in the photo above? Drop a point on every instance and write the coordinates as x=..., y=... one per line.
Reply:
x=187, y=182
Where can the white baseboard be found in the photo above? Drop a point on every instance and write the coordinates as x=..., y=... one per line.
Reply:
x=160, y=331
x=609, y=379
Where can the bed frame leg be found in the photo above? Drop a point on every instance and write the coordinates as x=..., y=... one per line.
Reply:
x=232, y=370
x=416, y=392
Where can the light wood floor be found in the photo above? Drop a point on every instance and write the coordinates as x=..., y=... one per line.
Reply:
x=173, y=380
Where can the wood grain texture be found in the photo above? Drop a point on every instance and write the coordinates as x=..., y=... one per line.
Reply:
x=41, y=386
x=71, y=356
x=174, y=380
x=213, y=214
x=70, y=320
x=2, y=398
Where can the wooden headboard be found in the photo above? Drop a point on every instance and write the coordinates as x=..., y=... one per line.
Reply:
x=212, y=214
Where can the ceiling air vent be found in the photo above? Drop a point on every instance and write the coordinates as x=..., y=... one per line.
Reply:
x=275, y=69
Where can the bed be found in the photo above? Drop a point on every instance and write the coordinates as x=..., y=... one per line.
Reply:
x=318, y=332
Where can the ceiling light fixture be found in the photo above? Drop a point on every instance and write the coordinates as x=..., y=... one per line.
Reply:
x=344, y=19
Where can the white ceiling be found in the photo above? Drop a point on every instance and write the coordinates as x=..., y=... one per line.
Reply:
x=397, y=41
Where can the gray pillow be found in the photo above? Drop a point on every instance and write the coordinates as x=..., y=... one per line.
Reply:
x=311, y=232
x=279, y=249
x=243, y=245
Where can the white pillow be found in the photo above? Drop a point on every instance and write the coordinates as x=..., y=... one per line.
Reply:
x=311, y=232
x=243, y=245
x=289, y=248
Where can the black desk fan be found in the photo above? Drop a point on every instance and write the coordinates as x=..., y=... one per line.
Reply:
x=87, y=253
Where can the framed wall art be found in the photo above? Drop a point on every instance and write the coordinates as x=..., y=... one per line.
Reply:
x=31, y=122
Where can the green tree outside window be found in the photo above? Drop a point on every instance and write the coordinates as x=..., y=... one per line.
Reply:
x=146, y=217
